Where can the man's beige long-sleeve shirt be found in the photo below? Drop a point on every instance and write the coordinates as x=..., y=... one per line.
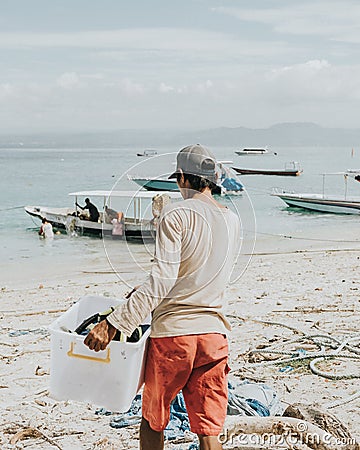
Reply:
x=197, y=244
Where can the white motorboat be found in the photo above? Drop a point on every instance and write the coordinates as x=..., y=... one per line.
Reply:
x=252, y=151
x=155, y=184
x=338, y=204
x=75, y=220
x=228, y=183
x=147, y=153
x=321, y=203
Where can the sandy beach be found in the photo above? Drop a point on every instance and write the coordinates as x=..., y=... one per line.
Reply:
x=296, y=292
x=103, y=105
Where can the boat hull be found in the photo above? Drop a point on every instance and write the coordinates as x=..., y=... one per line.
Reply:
x=69, y=222
x=252, y=151
x=321, y=204
x=170, y=185
x=281, y=173
x=156, y=185
x=56, y=216
x=147, y=153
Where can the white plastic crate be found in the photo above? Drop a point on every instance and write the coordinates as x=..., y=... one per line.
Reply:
x=110, y=378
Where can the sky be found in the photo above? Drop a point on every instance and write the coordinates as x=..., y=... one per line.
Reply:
x=91, y=65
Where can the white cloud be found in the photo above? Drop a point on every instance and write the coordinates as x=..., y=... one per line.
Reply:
x=335, y=19
x=117, y=43
x=314, y=81
x=198, y=88
x=130, y=87
x=68, y=80
x=282, y=60
x=93, y=76
x=314, y=90
x=134, y=38
x=203, y=87
x=6, y=90
x=305, y=69
x=164, y=88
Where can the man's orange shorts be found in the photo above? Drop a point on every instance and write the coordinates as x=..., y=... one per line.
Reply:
x=195, y=364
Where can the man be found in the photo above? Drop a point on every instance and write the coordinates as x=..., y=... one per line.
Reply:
x=196, y=246
x=93, y=211
x=118, y=224
x=110, y=214
x=46, y=229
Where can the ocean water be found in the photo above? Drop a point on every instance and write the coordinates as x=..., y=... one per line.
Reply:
x=45, y=177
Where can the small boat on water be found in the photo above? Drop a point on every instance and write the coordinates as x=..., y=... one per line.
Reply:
x=155, y=184
x=320, y=203
x=73, y=220
x=252, y=151
x=228, y=186
x=291, y=169
x=147, y=153
x=355, y=173
x=337, y=204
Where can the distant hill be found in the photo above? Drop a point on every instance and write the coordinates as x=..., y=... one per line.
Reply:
x=283, y=134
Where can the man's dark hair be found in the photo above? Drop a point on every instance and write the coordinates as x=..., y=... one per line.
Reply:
x=196, y=182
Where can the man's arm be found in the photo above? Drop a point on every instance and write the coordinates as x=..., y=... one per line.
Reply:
x=147, y=297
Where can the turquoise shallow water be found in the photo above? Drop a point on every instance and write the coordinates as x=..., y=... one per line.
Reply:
x=45, y=177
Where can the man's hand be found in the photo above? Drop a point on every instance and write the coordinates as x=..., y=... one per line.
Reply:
x=100, y=336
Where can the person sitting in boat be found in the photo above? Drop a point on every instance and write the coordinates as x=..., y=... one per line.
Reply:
x=110, y=215
x=93, y=211
x=118, y=226
x=46, y=229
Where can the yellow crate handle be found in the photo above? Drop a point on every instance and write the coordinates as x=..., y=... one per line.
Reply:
x=90, y=358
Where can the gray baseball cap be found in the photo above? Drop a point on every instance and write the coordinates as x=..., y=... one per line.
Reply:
x=196, y=160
